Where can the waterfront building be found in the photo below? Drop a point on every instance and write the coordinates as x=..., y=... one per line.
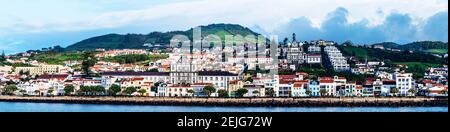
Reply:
x=284, y=89
x=329, y=86
x=178, y=91
x=350, y=89
x=254, y=90
x=234, y=86
x=404, y=82
x=299, y=89
x=314, y=87
x=387, y=86
x=377, y=87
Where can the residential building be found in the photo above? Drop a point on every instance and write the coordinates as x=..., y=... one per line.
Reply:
x=404, y=82
x=314, y=87
x=39, y=70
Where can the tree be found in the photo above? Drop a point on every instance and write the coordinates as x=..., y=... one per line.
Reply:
x=190, y=91
x=130, y=90
x=153, y=70
x=114, y=89
x=323, y=92
x=37, y=92
x=22, y=92
x=50, y=91
x=10, y=89
x=241, y=92
x=395, y=91
x=98, y=90
x=308, y=92
x=142, y=91
x=444, y=91
x=69, y=89
x=256, y=92
x=208, y=90
x=222, y=93
x=89, y=60
x=413, y=91
x=270, y=92
x=3, y=57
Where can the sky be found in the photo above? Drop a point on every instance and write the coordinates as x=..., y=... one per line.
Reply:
x=26, y=24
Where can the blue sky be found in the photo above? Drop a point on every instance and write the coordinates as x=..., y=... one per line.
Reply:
x=26, y=24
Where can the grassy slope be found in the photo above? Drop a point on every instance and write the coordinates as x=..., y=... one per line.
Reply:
x=437, y=51
x=57, y=58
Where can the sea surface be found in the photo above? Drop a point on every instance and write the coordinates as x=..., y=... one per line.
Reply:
x=56, y=107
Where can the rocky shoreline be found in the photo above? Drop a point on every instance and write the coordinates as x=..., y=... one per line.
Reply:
x=240, y=102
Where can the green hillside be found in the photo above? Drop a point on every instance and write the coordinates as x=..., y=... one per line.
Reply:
x=137, y=41
x=436, y=47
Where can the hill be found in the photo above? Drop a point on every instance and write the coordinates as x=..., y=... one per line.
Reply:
x=425, y=46
x=137, y=41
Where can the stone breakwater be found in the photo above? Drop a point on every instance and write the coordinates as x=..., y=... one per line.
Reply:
x=240, y=102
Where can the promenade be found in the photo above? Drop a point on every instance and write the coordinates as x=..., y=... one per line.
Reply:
x=241, y=102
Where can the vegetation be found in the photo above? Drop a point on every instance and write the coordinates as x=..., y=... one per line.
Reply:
x=308, y=92
x=57, y=58
x=323, y=92
x=208, y=90
x=89, y=60
x=413, y=91
x=417, y=68
x=137, y=41
x=142, y=91
x=437, y=51
x=130, y=90
x=417, y=46
x=270, y=93
x=69, y=89
x=134, y=58
x=91, y=90
x=21, y=65
x=241, y=92
x=10, y=89
x=114, y=89
x=256, y=92
x=222, y=93
x=390, y=56
x=395, y=91
x=192, y=92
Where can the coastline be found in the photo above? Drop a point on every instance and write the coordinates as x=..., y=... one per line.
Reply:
x=240, y=102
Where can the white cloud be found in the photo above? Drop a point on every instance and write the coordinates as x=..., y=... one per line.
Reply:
x=269, y=14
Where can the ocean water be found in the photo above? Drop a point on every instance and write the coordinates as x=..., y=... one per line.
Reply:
x=56, y=107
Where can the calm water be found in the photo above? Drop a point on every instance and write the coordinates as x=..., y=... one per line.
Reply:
x=46, y=107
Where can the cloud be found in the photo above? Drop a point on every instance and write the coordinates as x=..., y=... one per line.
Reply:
x=396, y=27
x=46, y=22
x=436, y=27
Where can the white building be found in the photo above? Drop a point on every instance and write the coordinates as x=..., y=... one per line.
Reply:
x=404, y=82
x=329, y=86
x=299, y=89
x=314, y=87
x=336, y=59
x=313, y=59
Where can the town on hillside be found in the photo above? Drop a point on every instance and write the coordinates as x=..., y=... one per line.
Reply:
x=304, y=69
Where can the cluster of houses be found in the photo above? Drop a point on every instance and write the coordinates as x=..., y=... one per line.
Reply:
x=186, y=74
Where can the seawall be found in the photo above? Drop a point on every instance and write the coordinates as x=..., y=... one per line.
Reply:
x=240, y=102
